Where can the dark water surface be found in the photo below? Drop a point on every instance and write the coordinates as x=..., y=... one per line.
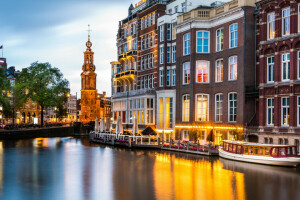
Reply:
x=68, y=168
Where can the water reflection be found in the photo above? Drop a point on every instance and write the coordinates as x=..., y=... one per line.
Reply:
x=70, y=168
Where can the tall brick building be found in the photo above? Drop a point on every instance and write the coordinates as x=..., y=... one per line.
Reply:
x=278, y=52
x=134, y=75
x=215, y=70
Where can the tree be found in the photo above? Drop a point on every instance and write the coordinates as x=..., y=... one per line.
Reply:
x=43, y=84
x=194, y=133
x=4, y=90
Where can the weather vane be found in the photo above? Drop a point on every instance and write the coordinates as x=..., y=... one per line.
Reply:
x=89, y=30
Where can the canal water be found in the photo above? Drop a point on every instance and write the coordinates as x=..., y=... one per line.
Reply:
x=70, y=168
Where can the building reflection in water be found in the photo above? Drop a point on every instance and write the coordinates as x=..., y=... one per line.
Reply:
x=183, y=178
x=68, y=168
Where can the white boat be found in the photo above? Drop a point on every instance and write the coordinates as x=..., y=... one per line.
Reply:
x=267, y=154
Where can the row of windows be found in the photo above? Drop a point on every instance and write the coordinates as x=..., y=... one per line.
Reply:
x=147, y=62
x=285, y=23
x=285, y=111
x=147, y=41
x=147, y=81
x=170, y=56
x=129, y=30
x=176, y=9
x=203, y=40
x=202, y=107
x=202, y=71
x=285, y=67
x=171, y=32
x=148, y=21
x=128, y=46
x=170, y=77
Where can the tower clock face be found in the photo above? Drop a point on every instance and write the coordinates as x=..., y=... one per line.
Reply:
x=92, y=67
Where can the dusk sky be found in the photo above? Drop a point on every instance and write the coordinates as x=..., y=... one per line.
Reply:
x=56, y=31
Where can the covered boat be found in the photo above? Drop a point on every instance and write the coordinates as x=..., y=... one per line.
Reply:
x=268, y=154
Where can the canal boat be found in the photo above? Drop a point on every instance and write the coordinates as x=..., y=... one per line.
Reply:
x=268, y=154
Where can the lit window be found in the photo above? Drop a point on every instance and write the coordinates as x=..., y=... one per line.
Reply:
x=270, y=75
x=220, y=39
x=232, y=105
x=186, y=73
x=285, y=111
x=186, y=108
x=270, y=111
x=202, y=42
x=271, y=25
x=286, y=13
x=185, y=135
x=219, y=107
x=233, y=68
x=174, y=31
x=202, y=107
x=219, y=70
x=233, y=35
x=285, y=67
x=186, y=44
x=202, y=71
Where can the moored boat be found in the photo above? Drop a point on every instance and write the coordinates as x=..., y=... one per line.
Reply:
x=268, y=154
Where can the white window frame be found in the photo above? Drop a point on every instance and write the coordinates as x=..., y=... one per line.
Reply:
x=184, y=133
x=161, y=78
x=186, y=67
x=219, y=116
x=284, y=18
x=168, y=76
x=234, y=113
x=161, y=55
x=219, y=72
x=173, y=53
x=270, y=65
x=203, y=39
x=298, y=110
x=288, y=66
x=173, y=77
x=197, y=109
x=270, y=107
x=161, y=33
x=187, y=44
x=168, y=57
x=169, y=32
x=299, y=17
x=187, y=109
x=298, y=64
x=282, y=109
x=201, y=66
x=237, y=35
x=230, y=70
x=271, y=24
x=219, y=41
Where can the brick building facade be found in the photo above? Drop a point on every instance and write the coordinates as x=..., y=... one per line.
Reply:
x=215, y=70
x=278, y=52
x=134, y=75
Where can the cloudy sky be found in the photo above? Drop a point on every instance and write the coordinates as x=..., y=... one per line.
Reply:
x=55, y=31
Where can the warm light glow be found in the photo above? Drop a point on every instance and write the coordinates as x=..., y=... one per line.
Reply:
x=209, y=127
x=162, y=130
x=195, y=179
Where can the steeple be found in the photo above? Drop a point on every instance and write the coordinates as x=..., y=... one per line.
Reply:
x=88, y=55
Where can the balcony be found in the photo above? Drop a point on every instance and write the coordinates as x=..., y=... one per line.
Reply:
x=129, y=74
x=134, y=93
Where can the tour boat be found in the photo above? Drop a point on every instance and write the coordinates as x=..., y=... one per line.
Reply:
x=268, y=154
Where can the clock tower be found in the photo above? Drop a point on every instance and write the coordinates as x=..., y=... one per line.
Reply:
x=89, y=97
